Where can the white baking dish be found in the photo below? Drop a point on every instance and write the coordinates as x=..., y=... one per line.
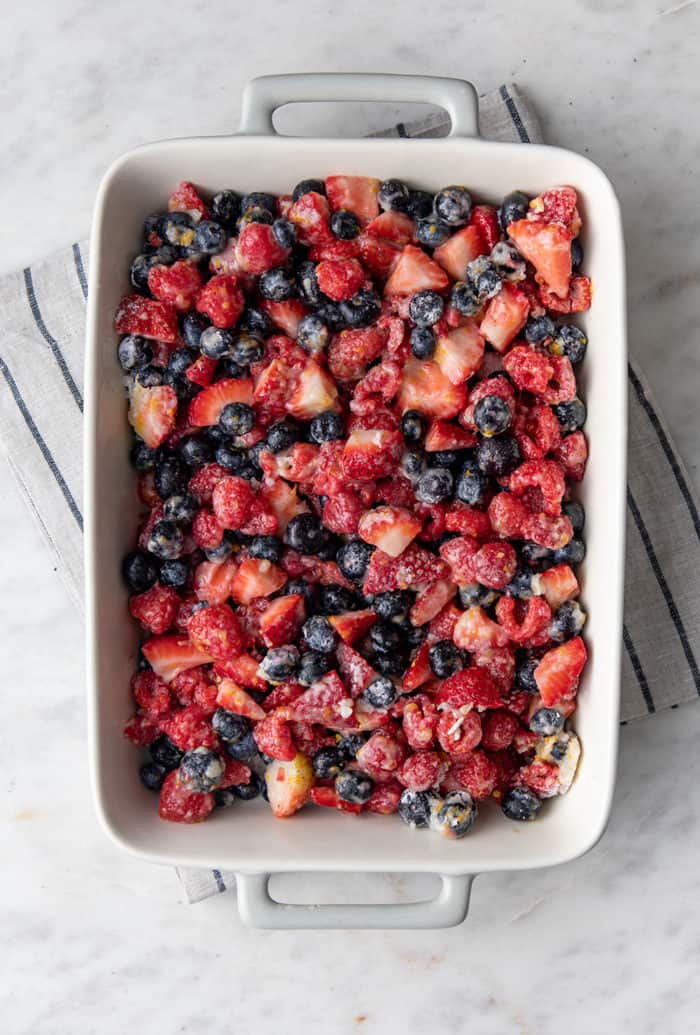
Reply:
x=248, y=840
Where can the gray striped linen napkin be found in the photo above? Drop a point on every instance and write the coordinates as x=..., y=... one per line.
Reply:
x=41, y=361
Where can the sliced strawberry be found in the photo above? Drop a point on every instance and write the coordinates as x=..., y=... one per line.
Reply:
x=256, y=578
x=343, y=511
x=505, y=315
x=442, y=626
x=389, y=528
x=242, y=670
x=431, y=601
x=213, y=580
x=206, y=407
x=558, y=672
x=147, y=318
x=274, y=738
x=283, y=500
x=285, y=315
x=572, y=454
x=221, y=299
x=459, y=250
x=298, y=464
x=340, y=279
x=419, y=671
x=327, y=798
x=485, y=218
x=379, y=256
x=356, y=194
x=315, y=393
x=351, y=351
x=186, y=198
x=548, y=247
x=415, y=271
x=372, y=453
x=442, y=435
x=353, y=625
x=282, y=619
x=201, y=372
x=459, y=352
x=258, y=250
x=171, y=654
x=475, y=631
x=326, y=701
x=425, y=388
x=578, y=299
x=355, y=671
x=558, y=584
x=152, y=412
x=178, y=284
x=311, y=217
x=413, y=567
x=234, y=698
x=392, y=226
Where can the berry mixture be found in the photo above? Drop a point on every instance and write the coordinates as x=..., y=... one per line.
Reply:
x=357, y=436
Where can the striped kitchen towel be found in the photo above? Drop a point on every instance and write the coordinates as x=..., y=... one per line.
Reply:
x=41, y=362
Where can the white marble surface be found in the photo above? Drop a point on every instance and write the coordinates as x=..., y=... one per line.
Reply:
x=96, y=942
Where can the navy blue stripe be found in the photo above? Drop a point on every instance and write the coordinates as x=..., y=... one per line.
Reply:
x=668, y=450
x=45, y=451
x=79, y=268
x=220, y=883
x=515, y=115
x=638, y=670
x=401, y=129
x=664, y=587
x=53, y=344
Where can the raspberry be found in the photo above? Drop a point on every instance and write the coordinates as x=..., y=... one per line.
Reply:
x=206, y=530
x=340, y=279
x=381, y=753
x=284, y=694
x=155, y=609
x=203, y=482
x=459, y=733
x=546, y=478
x=151, y=693
x=310, y=737
x=185, y=611
x=422, y=770
x=379, y=385
x=185, y=685
x=557, y=205
x=507, y=515
x=531, y=371
x=522, y=619
x=352, y=351
x=551, y=532
x=311, y=217
x=178, y=284
x=396, y=491
x=189, y=729
x=466, y=520
x=222, y=300
x=476, y=774
x=499, y=662
x=414, y=566
x=506, y=767
x=471, y=687
x=274, y=738
x=342, y=512
x=572, y=454
x=499, y=729
x=541, y=777
x=217, y=631
x=186, y=198
x=385, y=798
x=258, y=250
x=235, y=773
x=178, y=805
x=459, y=553
x=536, y=431
x=494, y=564
x=577, y=301
x=561, y=386
x=232, y=500
x=141, y=729
x=261, y=520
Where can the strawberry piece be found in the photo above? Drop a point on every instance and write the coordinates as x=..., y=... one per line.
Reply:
x=353, y=625
x=419, y=671
x=372, y=453
x=557, y=205
x=256, y=578
x=274, y=738
x=414, y=566
x=203, y=483
x=281, y=621
x=340, y=279
x=548, y=247
x=261, y=520
x=458, y=733
x=232, y=499
x=442, y=626
x=189, y=729
x=309, y=737
x=243, y=670
x=216, y=631
x=289, y=785
x=561, y=386
x=442, y=435
x=431, y=601
x=558, y=584
x=352, y=350
x=273, y=387
x=207, y=531
x=477, y=774
x=222, y=300
x=355, y=671
x=459, y=352
x=283, y=695
x=508, y=515
x=334, y=249
x=471, y=687
x=257, y=249
x=551, y=532
x=311, y=217
x=531, y=371
x=485, y=218
x=315, y=393
x=326, y=701
x=537, y=431
x=461, y=249
x=382, y=753
x=178, y=284
x=342, y=512
x=298, y=464
x=392, y=226
x=459, y=553
x=419, y=721
x=379, y=256
x=504, y=317
x=141, y=730
x=152, y=412
x=325, y=573
x=171, y=654
x=525, y=741
x=494, y=564
x=186, y=198
x=499, y=662
x=150, y=693
x=234, y=698
x=178, y=805
x=558, y=672
x=201, y=372
x=285, y=315
x=356, y=194
x=155, y=609
x=327, y=798
x=422, y=770
x=389, y=528
x=385, y=798
x=427, y=389
x=460, y=517
x=542, y=484
x=578, y=299
x=205, y=408
x=146, y=317
x=476, y=632
x=572, y=454
x=283, y=501
x=415, y=271
x=235, y=773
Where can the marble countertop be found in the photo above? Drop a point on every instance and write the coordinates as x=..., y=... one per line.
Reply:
x=98, y=942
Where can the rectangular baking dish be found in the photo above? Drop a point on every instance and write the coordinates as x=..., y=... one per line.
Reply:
x=249, y=841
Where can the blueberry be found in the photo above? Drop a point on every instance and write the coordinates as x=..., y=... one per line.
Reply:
x=225, y=207
x=266, y=547
x=422, y=342
x=142, y=457
x=140, y=571
x=457, y=814
x=449, y=458
x=219, y=553
x=282, y=436
x=571, y=415
x=152, y=776
x=573, y=553
x=250, y=790
x=432, y=231
x=547, y=722
x=280, y=663
x=134, y=352
x=520, y=803
x=415, y=807
x=201, y=770
x=344, y=225
x=230, y=458
x=434, y=485
x=151, y=225
x=412, y=426
x=255, y=322
x=170, y=477
x=380, y=693
x=331, y=314
x=237, y=418
x=497, y=456
x=473, y=594
x=259, y=199
x=181, y=508
x=320, y=634
x=385, y=637
x=392, y=604
x=525, y=674
x=327, y=427
x=312, y=666
x=568, y=621
x=443, y=658
x=570, y=341
x=465, y=298
x=312, y=333
x=165, y=753
x=305, y=534
x=492, y=415
x=224, y=798
x=419, y=204
x=483, y=275
x=361, y=309
x=327, y=763
x=277, y=284
x=307, y=284
x=353, y=559
x=178, y=229
x=472, y=485
x=453, y=205
x=284, y=233
x=538, y=328
x=350, y=744
x=393, y=196
x=334, y=600
x=514, y=206
x=536, y=557
x=308, y=187
x=174, y=573
x=575, y=513
x=139, y=270
x=215, y=342
x=520, y=585
x=210, y=238
x=305, y=589
x=196, y=450
x=149, y=376
x=244, y=749
x=414, y=463
x=426, y=308
x=246, y=349
x=576, y=255
x=389, y=664
x=166, y=541
x=254, y=214
x=183, y=387
x=508, y=261
x=354, y=786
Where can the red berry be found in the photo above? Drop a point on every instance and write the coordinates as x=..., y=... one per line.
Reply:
x=258, y=250
x=222, y=300
x=422, y=770
x=207, y=532
x=494, y=564
x=499, y=729
x=178, y=805
x=459, y=732
x=142, y=729
x=189, y=729
x=420, y=719
x=150, y=693
x=178, y=284
x=155, y=609
x=340, y=279
x=232, y=500
x=477, y=773
x=147, y=318
x=217, y=631
x=274, y=738
x=522, y=619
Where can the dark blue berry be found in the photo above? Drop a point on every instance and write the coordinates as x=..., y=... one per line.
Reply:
x=353, y=559
x=472, y=485
x=576, y=255
x=165, y=753
x=312, y=666
x=443, y=658
x=237, y=418
x=465, y=298
x=345, y=225
x=327, y=763
x=497, y=456
x=392, y=604
x=473, y=594
x=225, y=207
x=231, y=458
x=243, y=749
x=547, y=722
x=254, y=214
x=515, y=205
x=215, y=342
x=139, y=270
x=380, y=693
x=361, y=309
x=305, y=589
x=266, y=547
x=196, y=450
x=573, y=553
x=432, y=231
x=536, y=556
x=419, y=204
x=181, y=509
x=259, y=199
x=393, y=196
x=453, y=205
x=568, y=621
x=224, y=798
x=434, y=485
x=307, y=284
x=576, y=515
x=389, y=664
x=166, y=541
x=570, y=341
x=174, y=573
x=520, y=585
x=426, y=308
x=538, y=328
x=178, y=229
x=415, y=807
x=327, y=427
x=525, y=674
x=171, y=477
x=385, y=637
x=457, y=814
x=284, y=233
x=282, y=436
x=254, y=321
x=422, y=342
x=331, y=315
x=492, y=415
x=305, y=534
x=152, y=776
x=210, y=238
x=246, y=349
x=201, y=770
x=308, y=187
x=520, y=803
x=134, y=352
x=250, y=790
x=142, y=457
x=350, y=744
x=412, y=426
x=277, y=284
x=334, y=600
x=571, y=415
x=320, y=634
x=354, y=786
x=219, y=553
x=414, y=463
x=280, y=663
x=140, y=571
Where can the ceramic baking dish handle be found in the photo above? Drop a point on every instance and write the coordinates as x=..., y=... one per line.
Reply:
x=259, y=909
x=264, y=95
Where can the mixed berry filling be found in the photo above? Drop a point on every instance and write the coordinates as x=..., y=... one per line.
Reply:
x=357, y=435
